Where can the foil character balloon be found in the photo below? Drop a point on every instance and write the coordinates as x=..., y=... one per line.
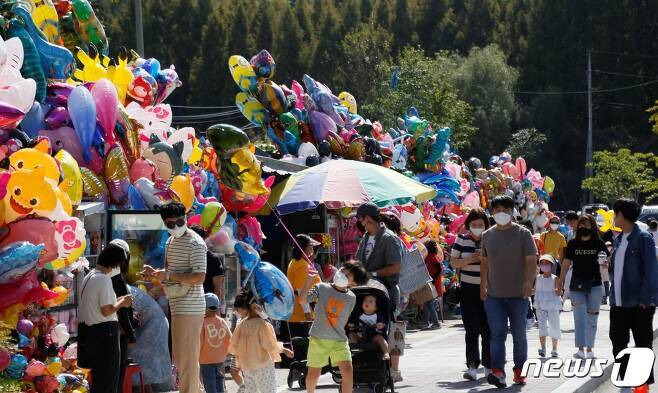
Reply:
x=56, y=61
x=263, y=64
x=16, y=259
x=272, y=97
x=64, y=138
x=243, y=74
x=348, y=101
x=27, y=56
x=37, y=157
x=33, y=121
x=167, y=158
x=142, y=88
x=82, y=110
x=153, y=120
x=72, y=176
x=186, y=136
x=143, y=168
x=91, y=30
x=45, y=17
x=92, y=68
x=272, y=286
x=152, y=196
x=121, y=75
x=182, y=186
x=213, y=217
x=71, y=242
x=167, y=82
x=35, y=230
x=26, y=290
x=251, y=108
x=127, y=130
x=93, y=186
x=28, y=192
x=116, y=175
x=69, y=33
x=105, y=96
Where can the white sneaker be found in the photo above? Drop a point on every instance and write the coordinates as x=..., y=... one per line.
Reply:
x=471, y=374
x=487, y=371
x=590, y=355
x=580, y=355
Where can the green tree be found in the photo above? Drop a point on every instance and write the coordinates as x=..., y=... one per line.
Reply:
x=653, y=117
x=423, y=82
x=402, y=27
x=622, y=174
x=363, y=50
x=366, y=11
x=264, y=31
x=527, y=143
x=487, y=82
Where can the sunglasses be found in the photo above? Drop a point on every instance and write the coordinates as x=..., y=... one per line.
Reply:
x=173, y=224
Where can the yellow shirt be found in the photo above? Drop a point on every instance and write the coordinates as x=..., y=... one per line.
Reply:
x=254, y=344
x=554, y=242
x=297, y=275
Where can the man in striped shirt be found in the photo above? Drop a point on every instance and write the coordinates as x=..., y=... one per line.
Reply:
x=183, y=276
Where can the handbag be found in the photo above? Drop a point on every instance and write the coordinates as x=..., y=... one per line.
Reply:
x=580, y=285
x=174, y=290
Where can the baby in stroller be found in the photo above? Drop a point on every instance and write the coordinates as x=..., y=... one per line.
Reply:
x=370, y=326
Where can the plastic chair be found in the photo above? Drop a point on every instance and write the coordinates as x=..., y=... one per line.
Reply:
x=132, y=369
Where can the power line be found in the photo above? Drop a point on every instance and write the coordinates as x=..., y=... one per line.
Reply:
x=585, y=91
x=624, y=54
x=623, y=74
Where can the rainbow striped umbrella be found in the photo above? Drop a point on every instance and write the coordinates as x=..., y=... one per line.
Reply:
x=347, y=183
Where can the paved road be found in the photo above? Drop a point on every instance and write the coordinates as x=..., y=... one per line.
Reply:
x=434, y=362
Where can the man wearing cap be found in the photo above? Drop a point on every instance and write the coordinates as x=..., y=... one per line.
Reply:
x=380, y=252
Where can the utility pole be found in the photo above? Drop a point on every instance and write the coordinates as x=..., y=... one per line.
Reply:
x=588, y=160
x=139, y=27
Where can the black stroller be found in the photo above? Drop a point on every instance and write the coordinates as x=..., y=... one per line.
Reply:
x=370, y=369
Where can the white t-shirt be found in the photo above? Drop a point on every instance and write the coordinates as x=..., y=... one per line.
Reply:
x=620, y=254
x=96, y=292
x=369, y=246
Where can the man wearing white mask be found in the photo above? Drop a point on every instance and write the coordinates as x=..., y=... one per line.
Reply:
x=508, y=269
x=182, y=278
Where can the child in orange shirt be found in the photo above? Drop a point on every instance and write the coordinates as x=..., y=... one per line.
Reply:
x=215, y=340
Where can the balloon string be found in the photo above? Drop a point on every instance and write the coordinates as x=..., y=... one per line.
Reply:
x=292, y=237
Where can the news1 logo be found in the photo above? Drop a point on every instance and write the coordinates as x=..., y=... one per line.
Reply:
x=638, y=367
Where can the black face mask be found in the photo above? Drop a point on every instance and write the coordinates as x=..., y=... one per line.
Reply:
x=583, y=232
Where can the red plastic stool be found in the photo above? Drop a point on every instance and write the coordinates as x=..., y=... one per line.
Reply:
x=131, y=370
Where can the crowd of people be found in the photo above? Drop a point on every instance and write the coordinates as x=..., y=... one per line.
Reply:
x=508, y=278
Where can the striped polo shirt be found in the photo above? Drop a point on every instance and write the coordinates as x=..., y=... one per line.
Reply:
x=464, y=247
x=187, y=254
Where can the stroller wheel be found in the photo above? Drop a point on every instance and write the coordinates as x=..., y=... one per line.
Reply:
x=302, y=381
x=337, y=379
x=378, y=388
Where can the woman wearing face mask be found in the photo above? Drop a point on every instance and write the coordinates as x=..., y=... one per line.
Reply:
x=465, y=256
x=300, y=271
x=585, y=288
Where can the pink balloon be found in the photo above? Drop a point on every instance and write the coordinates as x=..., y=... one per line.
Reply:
x=299, y=92
x=107, y=101
x=456, y=224
x=194, y=220
x=142, y=168
x=450, y=238
x=454, y=170
x=472, y=200
x=521, y=167
x=67, y=139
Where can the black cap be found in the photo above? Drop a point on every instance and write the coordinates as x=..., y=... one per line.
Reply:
x=368, y=209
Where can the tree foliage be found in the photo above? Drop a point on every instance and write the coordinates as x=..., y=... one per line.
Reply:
x=352, y=45
x=527, y=143
x=622, y=174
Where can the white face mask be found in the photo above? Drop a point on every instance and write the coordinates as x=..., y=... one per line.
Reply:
x=340, y=279
x=555, y=226
x=477, y=231
x=178, y=231
x=502, y=218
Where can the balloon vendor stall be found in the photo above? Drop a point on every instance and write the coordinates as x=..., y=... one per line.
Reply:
x=88, y=153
